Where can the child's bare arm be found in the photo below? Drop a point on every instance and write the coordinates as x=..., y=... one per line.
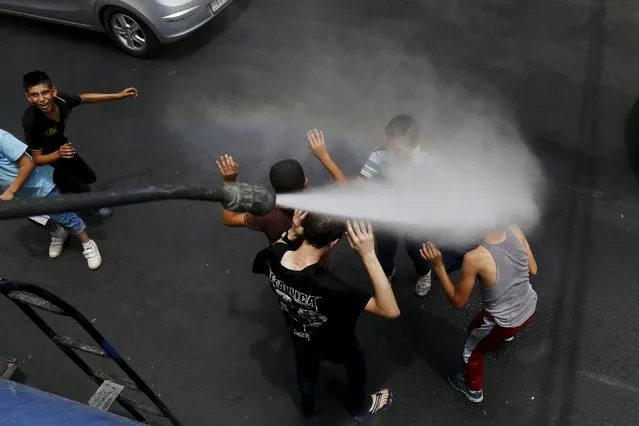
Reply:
x=317, y=145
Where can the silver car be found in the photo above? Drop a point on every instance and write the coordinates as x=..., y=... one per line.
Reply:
x=139, y=27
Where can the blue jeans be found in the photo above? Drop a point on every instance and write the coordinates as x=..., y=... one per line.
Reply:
x=387, y=248
x=69, y=220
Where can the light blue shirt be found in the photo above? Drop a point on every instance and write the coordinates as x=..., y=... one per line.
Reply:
x=380, y=160
x=39, y=184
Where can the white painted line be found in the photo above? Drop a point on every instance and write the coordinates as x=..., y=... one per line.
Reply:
x=609, y=381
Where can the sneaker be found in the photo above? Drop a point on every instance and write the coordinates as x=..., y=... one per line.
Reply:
x=458, y=382
x=392, y=275
x=510, y=339
x=92, y=255
x=103, y=212
x=376, y=407
x=423, y=284
x=56, y=246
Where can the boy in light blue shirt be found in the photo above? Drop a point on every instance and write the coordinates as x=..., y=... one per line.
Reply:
x=19, y=178
x=401, y=147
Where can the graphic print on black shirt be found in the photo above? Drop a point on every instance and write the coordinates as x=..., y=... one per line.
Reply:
x=41, y=133
x=319, y=308
x=300, y=309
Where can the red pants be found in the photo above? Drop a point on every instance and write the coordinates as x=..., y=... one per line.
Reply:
x=484, y=336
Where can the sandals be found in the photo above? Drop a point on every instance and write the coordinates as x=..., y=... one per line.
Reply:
x=376, y=407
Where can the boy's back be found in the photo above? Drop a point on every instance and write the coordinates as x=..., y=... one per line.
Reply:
x=320, y=309
x=273, y=224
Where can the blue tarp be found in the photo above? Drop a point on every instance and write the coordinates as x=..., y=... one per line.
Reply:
x=22, y=405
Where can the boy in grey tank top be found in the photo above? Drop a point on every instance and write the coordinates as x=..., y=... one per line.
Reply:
x=503, y=263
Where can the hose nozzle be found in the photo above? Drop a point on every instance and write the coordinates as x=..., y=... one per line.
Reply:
x=245, y=198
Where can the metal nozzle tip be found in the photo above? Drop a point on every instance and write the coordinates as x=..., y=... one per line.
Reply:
x=244, y=198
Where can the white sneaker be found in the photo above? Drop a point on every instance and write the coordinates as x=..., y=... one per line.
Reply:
x=423, y=284
x=92, y=255
x=58, y=238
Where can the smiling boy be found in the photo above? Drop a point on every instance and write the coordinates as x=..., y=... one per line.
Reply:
x=44, y=123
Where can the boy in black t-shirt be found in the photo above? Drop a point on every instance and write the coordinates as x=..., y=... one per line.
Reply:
x=44, y=124
x=321, y=310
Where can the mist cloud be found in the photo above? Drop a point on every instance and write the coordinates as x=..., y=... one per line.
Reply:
x=479, y=174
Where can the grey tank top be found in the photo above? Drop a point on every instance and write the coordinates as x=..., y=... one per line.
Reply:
x=512, y=300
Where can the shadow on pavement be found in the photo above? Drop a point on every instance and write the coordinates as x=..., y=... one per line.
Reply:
x=574, y=280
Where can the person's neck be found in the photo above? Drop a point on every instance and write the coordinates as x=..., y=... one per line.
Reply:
x=305, y=256
x=495, y=237
x=54, y=114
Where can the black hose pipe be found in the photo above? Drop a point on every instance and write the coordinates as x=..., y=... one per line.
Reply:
x=238, y=197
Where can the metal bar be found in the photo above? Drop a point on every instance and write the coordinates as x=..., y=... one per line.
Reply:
x=106, y=395
x=80, y=346
x=36, y=301
x=141, y=384
x=8, y=367
x=7, y=286
x=68, y=351
x=140, y=406
x=116, y=379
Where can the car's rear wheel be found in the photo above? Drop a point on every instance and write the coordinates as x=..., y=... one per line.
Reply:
x=130, y=33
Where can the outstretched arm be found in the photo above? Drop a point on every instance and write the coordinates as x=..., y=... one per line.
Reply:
x=459, y=293
x=317, y=145
x=91, y=98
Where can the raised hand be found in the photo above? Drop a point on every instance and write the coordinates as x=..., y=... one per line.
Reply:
x=316, y=143
x=360, y=237
x=229, y=169
x=298, y=218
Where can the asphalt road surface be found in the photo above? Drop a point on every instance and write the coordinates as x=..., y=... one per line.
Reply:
x=175, y=293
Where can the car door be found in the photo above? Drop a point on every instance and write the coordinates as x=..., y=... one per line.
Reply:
x=78, y=12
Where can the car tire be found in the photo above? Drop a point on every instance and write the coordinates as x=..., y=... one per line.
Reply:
x=130, y=33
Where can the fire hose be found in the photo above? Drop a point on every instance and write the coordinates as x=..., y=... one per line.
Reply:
x=238, y=197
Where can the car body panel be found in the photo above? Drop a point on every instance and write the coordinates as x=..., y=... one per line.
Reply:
x=71, y=12
x=153, y=15
x=170, y=20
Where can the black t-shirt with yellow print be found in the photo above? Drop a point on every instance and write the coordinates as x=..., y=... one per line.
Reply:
x=44, y=134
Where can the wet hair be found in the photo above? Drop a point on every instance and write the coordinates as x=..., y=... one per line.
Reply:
x=403, y=126
x=320, y=231
x=287, y=176
x=35, y=78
